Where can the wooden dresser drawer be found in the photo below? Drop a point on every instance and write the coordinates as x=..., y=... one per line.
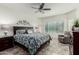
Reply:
x=6, y=42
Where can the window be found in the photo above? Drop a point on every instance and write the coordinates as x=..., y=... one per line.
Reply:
x=55, y=26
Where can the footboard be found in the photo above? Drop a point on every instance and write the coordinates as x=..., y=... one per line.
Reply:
x=39, y=49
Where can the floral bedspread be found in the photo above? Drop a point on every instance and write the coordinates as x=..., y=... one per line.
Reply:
x=32, y=41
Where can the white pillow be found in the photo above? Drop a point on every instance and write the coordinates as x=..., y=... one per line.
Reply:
x=20, y=31
x=30, y=31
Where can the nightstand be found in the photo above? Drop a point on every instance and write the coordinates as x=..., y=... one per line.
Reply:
x=6, y=42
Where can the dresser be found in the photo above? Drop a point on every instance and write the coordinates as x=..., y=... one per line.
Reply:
x=6, y=42
x=76, y=43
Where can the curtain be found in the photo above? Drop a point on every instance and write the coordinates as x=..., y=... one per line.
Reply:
x=55, y=26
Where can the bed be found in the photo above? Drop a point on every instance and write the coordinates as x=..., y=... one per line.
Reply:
x=32, y=41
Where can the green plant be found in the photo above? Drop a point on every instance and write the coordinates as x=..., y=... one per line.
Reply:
x=76, y=24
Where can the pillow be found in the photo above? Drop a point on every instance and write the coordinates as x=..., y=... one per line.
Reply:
x=20, y=31
x=30, y=31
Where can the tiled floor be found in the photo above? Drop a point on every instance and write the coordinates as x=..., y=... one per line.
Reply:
x=54, y=48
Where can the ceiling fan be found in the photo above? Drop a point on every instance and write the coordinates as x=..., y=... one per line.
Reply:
x=41, y=8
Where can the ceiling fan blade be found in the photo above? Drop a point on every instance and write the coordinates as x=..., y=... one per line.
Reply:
x=41, y=6
x=34, y=8
x=46, y=9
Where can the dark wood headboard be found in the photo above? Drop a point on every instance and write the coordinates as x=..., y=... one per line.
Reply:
x=20, y=28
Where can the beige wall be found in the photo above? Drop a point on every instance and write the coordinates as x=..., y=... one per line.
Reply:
x=68, y=19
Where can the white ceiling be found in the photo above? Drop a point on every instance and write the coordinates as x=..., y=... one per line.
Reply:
x=25, y=8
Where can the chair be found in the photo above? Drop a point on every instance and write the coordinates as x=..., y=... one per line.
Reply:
x=66, y=38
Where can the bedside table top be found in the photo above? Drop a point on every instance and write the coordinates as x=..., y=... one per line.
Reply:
x=1, y=36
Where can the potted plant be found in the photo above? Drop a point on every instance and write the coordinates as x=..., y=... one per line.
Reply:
x=76, y=25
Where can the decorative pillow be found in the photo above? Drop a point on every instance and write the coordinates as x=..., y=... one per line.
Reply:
x=20, y=31
x=30, y=31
